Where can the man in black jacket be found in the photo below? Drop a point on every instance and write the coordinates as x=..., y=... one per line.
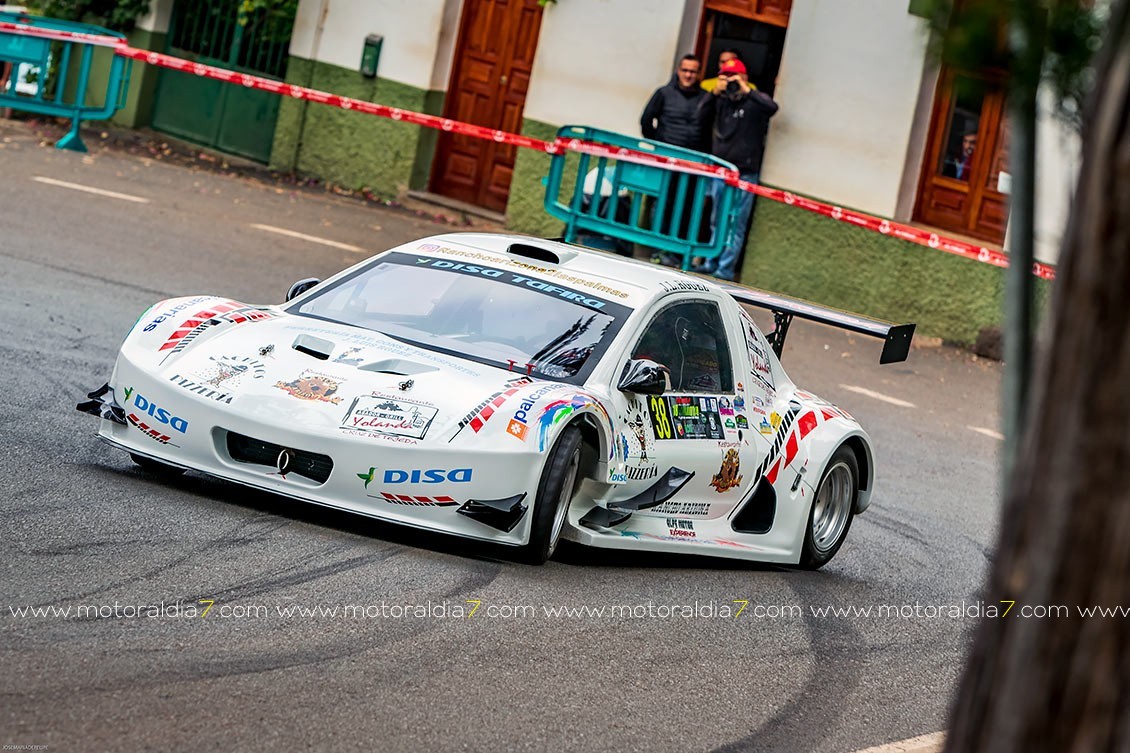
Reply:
x=673, y=115
x=741, y=121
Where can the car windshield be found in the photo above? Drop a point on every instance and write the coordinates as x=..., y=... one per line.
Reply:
x=496, y=316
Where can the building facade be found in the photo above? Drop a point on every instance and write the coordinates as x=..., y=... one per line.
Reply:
x=867, y=120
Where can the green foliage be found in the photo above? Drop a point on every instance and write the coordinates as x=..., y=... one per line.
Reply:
x=274, y=17
x=975, y=34
x=119, y=15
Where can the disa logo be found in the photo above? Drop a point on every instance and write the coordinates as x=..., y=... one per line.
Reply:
x=150, y=408
x=418, y=476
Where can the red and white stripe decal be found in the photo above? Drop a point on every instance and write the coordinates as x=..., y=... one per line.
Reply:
x=484, y=415
x=806, y=423
x=407, y=499
x=196, y=320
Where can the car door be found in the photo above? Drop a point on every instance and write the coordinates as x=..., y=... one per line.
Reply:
x=693, y=424
x=770, y=405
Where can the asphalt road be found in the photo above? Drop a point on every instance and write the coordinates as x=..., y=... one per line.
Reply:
x=80, y=525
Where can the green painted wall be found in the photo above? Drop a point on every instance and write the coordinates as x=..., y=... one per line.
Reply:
x=138, y=107
x=808, y=256
x=525, y=212
x=352, y=149
x=138, y=110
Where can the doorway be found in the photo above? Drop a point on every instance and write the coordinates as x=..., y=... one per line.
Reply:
x=755, y=29
x=489, y=80
x=964, y=182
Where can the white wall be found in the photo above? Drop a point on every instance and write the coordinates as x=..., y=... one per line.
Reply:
x=157, y=19
x=1058, y=154
x=411, y=34
x=598, y=61
x=848, y=88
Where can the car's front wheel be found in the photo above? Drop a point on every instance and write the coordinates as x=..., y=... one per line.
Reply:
x=832, y=510
x=555, y=491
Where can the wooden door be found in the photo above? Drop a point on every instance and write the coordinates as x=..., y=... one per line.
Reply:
x=966, y=152
x=489, y=81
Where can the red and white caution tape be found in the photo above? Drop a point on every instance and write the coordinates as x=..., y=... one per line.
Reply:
x=101, y=40
x=447, y=125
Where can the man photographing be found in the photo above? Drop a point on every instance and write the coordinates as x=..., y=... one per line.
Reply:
x=741, y=120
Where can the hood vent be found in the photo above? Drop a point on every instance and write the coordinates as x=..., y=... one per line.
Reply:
x=537, y=253
x=313, y=346
x=398, y=366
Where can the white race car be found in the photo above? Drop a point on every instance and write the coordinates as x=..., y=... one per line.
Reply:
x=508, y=389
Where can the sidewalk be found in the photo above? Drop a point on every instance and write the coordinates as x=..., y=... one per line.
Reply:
x=932, y=743
x=148, y=144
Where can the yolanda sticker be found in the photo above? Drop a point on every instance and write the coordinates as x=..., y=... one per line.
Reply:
x=380, y=414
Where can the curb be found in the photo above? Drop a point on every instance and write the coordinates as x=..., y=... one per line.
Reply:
x=932, y=743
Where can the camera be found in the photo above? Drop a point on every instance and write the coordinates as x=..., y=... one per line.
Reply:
x=734, y=86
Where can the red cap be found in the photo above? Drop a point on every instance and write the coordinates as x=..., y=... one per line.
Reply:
x=732, y=66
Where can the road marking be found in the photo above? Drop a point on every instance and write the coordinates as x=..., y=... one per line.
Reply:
x=91, y=189
x=305, y=237
x=986, y=432
x=877, y=395
x=931, y=743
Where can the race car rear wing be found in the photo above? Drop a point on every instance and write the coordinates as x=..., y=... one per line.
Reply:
x=896, y=337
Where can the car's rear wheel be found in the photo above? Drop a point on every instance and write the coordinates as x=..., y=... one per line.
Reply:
x=156, y=467
x=832, y=510
x=555, y=491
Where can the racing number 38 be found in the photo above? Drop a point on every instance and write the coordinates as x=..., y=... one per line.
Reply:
x=660, y=419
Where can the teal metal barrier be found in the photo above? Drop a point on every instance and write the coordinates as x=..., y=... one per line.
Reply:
x=614, y=200
x=63, y=83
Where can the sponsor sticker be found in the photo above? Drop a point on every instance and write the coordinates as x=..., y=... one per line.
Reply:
x=640, y=473
x=520, y=422
x=680, y=528
x=685, y=417
x=144, y=406
x=416, y=475
x=393, y=416
x=165, y=315
x=311, y=385
x=513, y=278
x=729, y=475
x=349, y=357
x=683, y=509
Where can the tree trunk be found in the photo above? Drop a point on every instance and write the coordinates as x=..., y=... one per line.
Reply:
x=1062, y=683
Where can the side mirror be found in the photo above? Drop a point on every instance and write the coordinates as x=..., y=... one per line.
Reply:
x=643, y=377
x=301, y=287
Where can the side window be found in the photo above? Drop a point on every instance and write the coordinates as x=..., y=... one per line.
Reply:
x=690, y=340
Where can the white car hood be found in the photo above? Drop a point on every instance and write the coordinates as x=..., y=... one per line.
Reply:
x=329, y=377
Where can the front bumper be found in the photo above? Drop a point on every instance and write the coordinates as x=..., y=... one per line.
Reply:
x=479, y=493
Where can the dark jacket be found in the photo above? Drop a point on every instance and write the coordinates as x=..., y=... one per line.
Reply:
x=673, y=116
x=740, y=126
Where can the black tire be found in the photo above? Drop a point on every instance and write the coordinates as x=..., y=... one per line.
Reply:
x=558, y=482
x=156, y=467
x=833, y=507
